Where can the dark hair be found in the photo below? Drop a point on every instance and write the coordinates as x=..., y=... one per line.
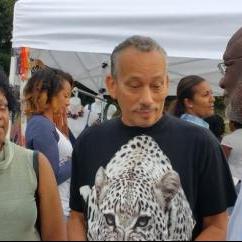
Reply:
x=185, y=90
x=216, y=125
x=7, y=91
x=42, y=87
x=237, y=125
x=64, y=76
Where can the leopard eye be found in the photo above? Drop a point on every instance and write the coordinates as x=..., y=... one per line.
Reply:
x=110, y=219
x=143, y=222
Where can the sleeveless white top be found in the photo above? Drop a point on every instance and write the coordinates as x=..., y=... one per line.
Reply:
x=65, y=154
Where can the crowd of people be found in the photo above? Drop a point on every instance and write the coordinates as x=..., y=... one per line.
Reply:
x=57, y=188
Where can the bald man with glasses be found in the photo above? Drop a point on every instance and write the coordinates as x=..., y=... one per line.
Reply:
x=232, y=84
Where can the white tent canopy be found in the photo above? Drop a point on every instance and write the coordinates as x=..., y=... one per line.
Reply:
x=78, y=36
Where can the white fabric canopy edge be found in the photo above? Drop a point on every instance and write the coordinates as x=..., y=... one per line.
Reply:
x=190, y=29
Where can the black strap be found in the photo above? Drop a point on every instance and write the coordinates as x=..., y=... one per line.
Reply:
x=36, y=169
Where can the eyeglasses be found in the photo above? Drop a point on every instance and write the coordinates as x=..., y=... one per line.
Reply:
x=222, y=67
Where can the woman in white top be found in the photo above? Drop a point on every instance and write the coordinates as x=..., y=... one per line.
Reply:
x=65, y=154
x=232, y=146
x=47, y=94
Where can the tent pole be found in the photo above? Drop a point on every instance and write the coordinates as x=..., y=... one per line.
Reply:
x=89, y=94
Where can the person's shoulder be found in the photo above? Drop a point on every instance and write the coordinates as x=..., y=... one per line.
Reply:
x=98, y=131
x=27, y=157
x=39, y=122
x=228, y=137
x=21, y=153
x=179, y=124
x=39, y=119
x=19, y=149
x=236, y=133
x=232, y=138
x=191, y=131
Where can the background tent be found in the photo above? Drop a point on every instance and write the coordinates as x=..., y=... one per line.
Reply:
x=78, y=36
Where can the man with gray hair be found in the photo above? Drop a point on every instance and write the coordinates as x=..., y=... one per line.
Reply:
x=232, y=84
x=152, y=175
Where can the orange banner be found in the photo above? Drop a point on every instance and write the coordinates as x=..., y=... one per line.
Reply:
x=24, y=63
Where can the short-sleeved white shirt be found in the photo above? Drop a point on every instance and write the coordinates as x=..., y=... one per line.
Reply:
x=234, y=141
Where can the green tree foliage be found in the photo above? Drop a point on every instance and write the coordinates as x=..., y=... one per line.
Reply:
x=6, y=23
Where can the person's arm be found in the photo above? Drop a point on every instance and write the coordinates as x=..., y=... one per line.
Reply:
x=77, y=227
x=216, y=192
x=51, y=215
x=45, y=141
x=214, y=228
x=227, y=150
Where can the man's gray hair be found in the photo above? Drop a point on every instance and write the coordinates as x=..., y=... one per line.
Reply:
x=141, y=43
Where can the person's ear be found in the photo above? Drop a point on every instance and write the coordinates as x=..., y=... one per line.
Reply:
x=168, y=82
x=167, y=85
x=188, y=104
x=111, y=85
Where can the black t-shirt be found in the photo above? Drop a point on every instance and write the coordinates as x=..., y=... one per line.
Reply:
x=193, y=152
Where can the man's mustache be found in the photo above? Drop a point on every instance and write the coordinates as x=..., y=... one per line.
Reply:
x=145, y=109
